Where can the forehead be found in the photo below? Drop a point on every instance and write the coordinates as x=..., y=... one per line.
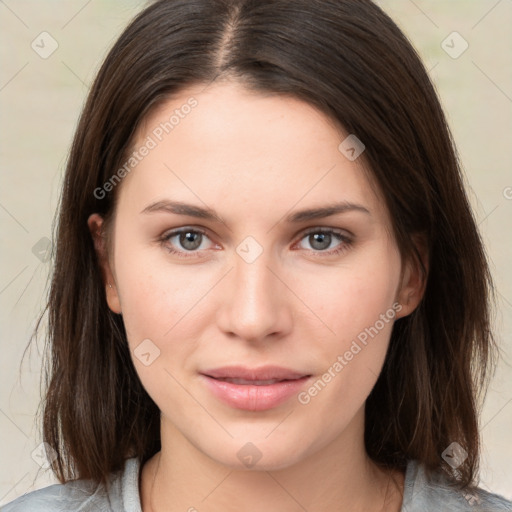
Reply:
x=227, y=113
x=224, y=144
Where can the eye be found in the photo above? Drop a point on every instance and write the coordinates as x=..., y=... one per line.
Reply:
x=189, y=242
x=181, y=241
x=320, y=239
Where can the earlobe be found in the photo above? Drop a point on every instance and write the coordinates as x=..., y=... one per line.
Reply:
x=95, y=224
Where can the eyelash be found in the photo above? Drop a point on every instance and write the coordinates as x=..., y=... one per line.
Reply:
x=346, y=242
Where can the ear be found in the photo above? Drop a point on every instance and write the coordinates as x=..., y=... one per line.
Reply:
x=95, y=224
x=414, y=278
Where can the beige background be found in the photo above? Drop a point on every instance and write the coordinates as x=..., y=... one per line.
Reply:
x=40, y=100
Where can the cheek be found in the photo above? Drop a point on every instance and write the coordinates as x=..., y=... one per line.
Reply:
x=155, y=295
x=354, y=297
x=359, y=307
x=163, y=303
x=156, y=305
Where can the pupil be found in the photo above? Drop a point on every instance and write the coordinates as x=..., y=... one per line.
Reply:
x=189, y=240
x=321, y=238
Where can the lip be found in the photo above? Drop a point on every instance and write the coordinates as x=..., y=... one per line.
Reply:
x=254, y=389
x=261, y=373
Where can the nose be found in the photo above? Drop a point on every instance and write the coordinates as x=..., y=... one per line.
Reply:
x=255, y=302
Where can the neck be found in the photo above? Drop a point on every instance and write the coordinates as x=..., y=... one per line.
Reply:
x=339, y=476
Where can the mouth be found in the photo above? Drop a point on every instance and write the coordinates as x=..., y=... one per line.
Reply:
x=255, y=389
x=260, y=374
x=246, y=382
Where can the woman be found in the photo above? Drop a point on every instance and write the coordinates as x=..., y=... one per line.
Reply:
x=269, y=289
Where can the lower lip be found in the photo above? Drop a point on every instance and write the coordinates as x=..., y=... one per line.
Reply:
x=251, y=397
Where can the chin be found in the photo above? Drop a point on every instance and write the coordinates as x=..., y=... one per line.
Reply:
x=258, y=454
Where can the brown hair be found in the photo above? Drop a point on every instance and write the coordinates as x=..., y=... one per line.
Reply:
x=347, y=58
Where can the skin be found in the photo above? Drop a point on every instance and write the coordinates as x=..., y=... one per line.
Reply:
x=255, y=159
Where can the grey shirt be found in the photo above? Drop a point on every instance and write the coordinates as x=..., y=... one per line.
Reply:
x=420, y=495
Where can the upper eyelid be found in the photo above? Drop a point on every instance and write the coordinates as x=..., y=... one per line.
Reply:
x=316, y=229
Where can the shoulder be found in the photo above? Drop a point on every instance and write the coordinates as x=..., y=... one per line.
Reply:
x=121, y=495
x=425, y=492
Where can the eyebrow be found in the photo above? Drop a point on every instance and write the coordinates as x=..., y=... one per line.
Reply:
x=180, y=208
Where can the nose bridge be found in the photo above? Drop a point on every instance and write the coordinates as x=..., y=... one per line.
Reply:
x=253, y=278
x=254, y=306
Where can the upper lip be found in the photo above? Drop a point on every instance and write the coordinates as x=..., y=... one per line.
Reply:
x=261, y=373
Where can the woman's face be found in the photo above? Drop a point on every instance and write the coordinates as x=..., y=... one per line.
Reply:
x=263, y=278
